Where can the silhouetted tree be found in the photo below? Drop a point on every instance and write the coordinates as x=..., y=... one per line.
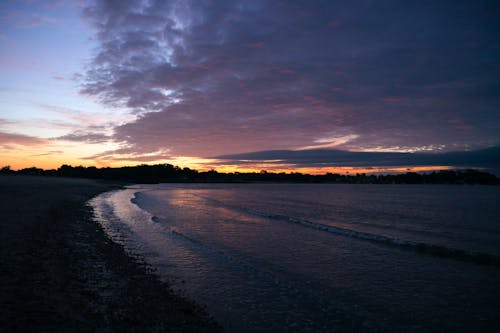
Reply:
x=168, y=173
x=6, y=169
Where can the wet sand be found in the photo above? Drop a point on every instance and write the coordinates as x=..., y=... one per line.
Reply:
x=61, y=273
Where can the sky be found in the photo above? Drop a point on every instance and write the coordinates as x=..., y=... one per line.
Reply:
x=307, y=86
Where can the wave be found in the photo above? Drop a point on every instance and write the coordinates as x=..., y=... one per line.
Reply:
x=419, y=247
x=132, y=226
x=432, y=249
x=120, y=217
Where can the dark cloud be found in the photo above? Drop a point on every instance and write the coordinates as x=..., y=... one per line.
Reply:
x=210, y=78
x=489, y=158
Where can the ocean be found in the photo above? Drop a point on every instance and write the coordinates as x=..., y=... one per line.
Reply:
x=319, y=257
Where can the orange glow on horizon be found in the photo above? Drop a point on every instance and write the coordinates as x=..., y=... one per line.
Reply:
x=27, y=157
x=17, y=162
x=43, y=162
x=345, y=170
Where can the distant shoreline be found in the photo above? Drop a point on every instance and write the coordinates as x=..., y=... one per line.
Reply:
x=64, y=274
x=167, y=173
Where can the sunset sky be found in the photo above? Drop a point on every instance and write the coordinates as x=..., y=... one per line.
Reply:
x=313, y=86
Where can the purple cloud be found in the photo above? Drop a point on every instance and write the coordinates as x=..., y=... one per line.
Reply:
x=217, y=78
x=20, y=139
x=84, y=136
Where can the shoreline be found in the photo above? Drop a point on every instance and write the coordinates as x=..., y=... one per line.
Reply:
x=64, y=274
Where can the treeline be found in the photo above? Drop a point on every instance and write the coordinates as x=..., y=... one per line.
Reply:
x=164, y=173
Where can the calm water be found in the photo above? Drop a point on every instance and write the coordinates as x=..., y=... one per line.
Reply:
x=318, y=258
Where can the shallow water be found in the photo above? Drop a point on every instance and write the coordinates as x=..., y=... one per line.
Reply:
x=294, y=257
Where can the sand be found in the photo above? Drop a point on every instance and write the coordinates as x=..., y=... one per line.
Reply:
x=59, y=271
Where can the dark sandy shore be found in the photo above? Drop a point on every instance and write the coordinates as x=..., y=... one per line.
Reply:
x=60, y=273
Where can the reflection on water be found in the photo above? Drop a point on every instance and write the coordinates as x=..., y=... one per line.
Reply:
x=317, y=257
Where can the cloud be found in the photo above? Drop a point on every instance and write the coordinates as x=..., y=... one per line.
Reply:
x=20, y=139
x=329, y=142
x=4, y=122
x=52, y=152
x=85, y=136
x=488, y=158
x=36, y=21
x=89, y=119
x=209, y=79
x=129, y=154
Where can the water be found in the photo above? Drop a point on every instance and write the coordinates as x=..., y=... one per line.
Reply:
x=320, y=258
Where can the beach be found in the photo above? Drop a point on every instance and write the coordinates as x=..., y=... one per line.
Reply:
x=60, y=272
